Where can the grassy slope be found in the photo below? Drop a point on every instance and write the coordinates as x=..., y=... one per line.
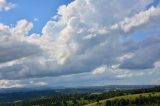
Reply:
x=102, y=102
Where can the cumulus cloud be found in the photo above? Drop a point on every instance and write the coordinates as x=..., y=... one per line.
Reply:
x=87, y=36
x=13, y=46
x=5, y=6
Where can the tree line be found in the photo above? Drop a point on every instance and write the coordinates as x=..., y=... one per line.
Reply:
x=138, y=101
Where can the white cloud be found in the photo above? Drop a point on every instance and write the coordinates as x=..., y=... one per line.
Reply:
x=5, y=6
x=9, y=83
x=139, y=19
x=33, y=83
x=22, y=28
x=99, y=70
x=41, y=84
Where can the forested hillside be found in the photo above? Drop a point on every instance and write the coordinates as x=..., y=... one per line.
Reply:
x=142, y=99
x=134, y=97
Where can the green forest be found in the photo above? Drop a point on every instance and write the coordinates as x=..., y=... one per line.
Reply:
x=132, y=97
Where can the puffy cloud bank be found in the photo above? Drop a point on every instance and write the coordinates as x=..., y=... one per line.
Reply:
x=94, y=36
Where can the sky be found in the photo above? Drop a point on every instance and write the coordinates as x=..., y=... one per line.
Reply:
x=72, y=43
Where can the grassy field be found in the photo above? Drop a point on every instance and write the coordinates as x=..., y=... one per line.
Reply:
x=102, y=102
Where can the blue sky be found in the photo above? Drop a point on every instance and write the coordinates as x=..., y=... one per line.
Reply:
x=154, y=3
x=42, y=10
x=140, y=35
x=92, y=42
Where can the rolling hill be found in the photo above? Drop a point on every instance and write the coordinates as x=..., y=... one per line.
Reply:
x=127, y=97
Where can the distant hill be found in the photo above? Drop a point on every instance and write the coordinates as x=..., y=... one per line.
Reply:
x=14, y=94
